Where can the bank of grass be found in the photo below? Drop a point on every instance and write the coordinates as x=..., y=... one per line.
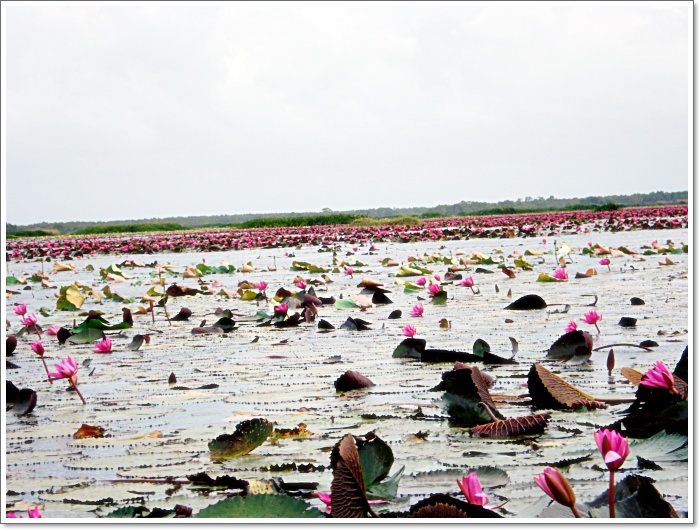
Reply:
x=314, y=220
x=129, y=229
x=32, y=233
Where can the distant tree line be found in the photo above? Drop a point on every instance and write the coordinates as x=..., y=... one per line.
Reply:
x=264, y=220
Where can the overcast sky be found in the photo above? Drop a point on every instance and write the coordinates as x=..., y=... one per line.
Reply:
x=154, y=110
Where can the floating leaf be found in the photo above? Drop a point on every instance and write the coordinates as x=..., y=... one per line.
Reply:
x=70, y=298
x=544, y=277
x=348, y=494
x=352, y=381
x=138, y=341
x=441, y=506
x=636, y=301
x=480, y=347
x=380, y=298
x=532, y=424
x=395, y=314
x=24, y=400
x=248, y=435
x=440, y=298
x=260, y=506
x=661, y=447
x=569, y=344
x=89, y=431
x=635, y=497
x=346, y=303
x=322, y=324
x=627, y=322
x=527, y=303
x=182, y=316
x=94, y=323
x=681, y=369
x=549, y=391
x=86, y=336
x=410, y=348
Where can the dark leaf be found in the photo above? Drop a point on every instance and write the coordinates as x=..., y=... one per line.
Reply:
x=11, y=392
x=380, y=298
x=527, y=303
x=410, y=348
x=182, y=316
x=627, y=322
x=490, y=358
x=441, y=506
x=565, y=347
x=480, y=347
x=635, y=497
x=681, y=369
x=24, y=402
x=126, y=316
x=395, y=314
x=224, y=481
x=136, y=342
x=206, y=330
x=62, y=335
x=292, y=321
x=172, y=379
x=248, y=435
x=636, y=301
x=533, y=424
x=322, y=324
x=10, y=345
x=549, y=391
x=352, y=381
x=650, y=344
x=225, y=323
x=348, y=494
x=376, y=458
x=448, y=356
x=178, y=290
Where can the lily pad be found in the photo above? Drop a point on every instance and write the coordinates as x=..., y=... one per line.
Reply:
x=260, y=506
x=249, y=434
x=528, y=302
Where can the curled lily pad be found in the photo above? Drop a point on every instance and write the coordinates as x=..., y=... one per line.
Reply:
x=532, y=424
x=24, y=402
x=635, y=497
x=259, y=506
x=10, y=345
x=441, y=506
x=348, y=493
x=352, y=381
x=528, y=303
x=248, y=435
x=567, y=346
x=323, y=324
x=182, y=316
x=395, y=314
x=549, y=391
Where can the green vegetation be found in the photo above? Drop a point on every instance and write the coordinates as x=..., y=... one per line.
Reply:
x=32, y=233
x=404, y=220
x=130, y=229
x=378, y=216
x=607, y=207
x=316, y=220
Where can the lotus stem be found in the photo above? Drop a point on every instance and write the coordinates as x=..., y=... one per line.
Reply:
x=488, y=411
x=611, y=495
x=621, y=344
x=75, y=386
x=47, y=370
x=575, y=511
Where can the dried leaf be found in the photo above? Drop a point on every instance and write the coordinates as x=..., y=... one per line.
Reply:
x=549, y=391
x=89, y=431
x=441, y=506
x=348, y=495
x=533, y=424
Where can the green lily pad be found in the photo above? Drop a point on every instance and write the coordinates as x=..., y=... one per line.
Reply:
x=265, y=505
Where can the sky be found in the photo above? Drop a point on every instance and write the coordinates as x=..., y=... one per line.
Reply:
x=151, y=110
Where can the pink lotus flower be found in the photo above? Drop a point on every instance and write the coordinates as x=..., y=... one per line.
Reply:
x=261, y=286
x=659, y=377
x=571, y=327
x=349, y=271
x=561, y=274
x=20, y=310
x=554, y=484
x=605, y=261
x=68, y=369
x=34, y=513
x=467, y=282
x=282, y=309
x=417, y=310
x=301, y=284
x=326, y=499
x=29, y=320
x=104, y=346
x=409, y=331
x=471, y=488
x=434, y=289
x=592, y=317
x=613, y=447
x=38, y=348
x=436, y=276
x=53, y=330
x=420, y=281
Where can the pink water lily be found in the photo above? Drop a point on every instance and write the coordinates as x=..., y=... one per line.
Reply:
x=468, y=282
x=605, y=261
x=571, y=327
x=592, y=317
x=434, y=289
x=349, y=271
x=301, y=284
x=421, y=281
x=33, y=513
x=409, y=331
x=659, y=377
x=261, y=286
x=417, y=310
x=20, y=310
x=282, y=309
x=614, y=448
x=68, y=369
x=29, y=320
x=436, y=276
x=554, y=484
x=561, y=274
x=471, y=488
x=104, y=346
x=38, y=348
x=53, y=330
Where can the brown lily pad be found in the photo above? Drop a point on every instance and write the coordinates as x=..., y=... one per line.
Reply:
x=89, y=431
x=532, y=424
x=549, y=391
x=352, y=381
x=348, y=494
